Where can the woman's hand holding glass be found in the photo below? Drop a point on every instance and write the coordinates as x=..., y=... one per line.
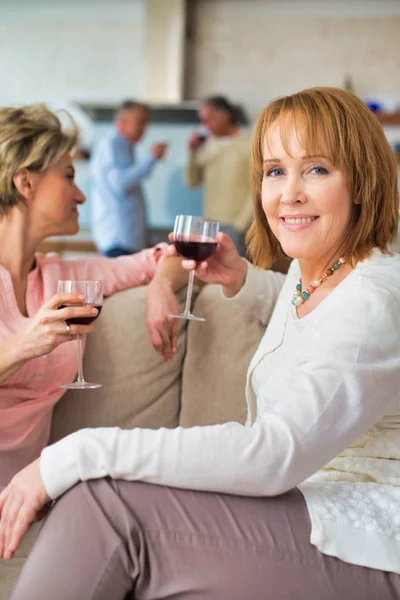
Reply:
x=225, y=266
x=48, y=329
x=194, y=238
x=91, y=292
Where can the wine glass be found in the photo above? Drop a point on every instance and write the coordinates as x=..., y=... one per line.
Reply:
x=194, y=238
x=93, y=292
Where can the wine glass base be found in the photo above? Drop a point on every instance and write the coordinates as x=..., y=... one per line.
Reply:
x=80, y=385
x=187, y=317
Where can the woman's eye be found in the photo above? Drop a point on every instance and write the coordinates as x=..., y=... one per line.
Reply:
x=274, y=172
x=71, y=177
x=319, y=170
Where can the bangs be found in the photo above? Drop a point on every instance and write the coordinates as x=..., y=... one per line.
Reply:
x=318, y=131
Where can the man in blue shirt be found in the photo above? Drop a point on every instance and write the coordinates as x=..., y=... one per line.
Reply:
x=118, y=208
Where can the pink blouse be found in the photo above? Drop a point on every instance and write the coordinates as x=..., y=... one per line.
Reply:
x=27, y=398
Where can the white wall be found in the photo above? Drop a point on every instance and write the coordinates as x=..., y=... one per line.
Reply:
x=252, y=50
x=56, y=52
x=255, y=50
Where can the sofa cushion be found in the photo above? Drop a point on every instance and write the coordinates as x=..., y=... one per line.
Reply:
x=217, y=357
x=138, y=388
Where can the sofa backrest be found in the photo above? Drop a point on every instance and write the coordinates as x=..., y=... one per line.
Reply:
x=138, y=388
x=217, y=357
x=205, y=384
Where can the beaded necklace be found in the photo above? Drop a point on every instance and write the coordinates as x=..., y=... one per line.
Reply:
x=299, y=296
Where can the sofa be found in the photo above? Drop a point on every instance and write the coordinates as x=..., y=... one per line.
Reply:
x=204, y=385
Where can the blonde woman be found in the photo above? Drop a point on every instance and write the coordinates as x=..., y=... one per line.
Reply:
x=39, y=198
x=302, y=501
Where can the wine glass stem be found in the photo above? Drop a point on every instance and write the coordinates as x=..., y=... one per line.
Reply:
x=189, y=293
x=80, y=364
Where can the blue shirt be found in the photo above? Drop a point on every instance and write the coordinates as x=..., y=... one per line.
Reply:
x=118, y=206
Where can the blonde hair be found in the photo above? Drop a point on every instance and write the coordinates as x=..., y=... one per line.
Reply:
x=31, y=137
x=351, y=134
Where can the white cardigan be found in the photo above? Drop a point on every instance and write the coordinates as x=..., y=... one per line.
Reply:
x=342, y=381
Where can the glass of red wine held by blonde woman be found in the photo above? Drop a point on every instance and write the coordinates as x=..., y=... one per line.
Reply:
x=194, y=238
x=92, y=290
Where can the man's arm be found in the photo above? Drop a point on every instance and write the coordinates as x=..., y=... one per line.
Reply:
x=123, y=176
x=123, y=179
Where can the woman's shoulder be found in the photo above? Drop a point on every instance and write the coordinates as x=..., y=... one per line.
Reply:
x=380, y=271
x=52, y=263
x=374, y=282
x=365, y=305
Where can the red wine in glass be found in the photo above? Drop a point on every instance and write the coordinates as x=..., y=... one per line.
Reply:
x=92, y=291
x=195, y=238
x=82, y=320
x=195, y=250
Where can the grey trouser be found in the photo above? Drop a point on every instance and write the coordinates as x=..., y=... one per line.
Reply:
x=112, y=540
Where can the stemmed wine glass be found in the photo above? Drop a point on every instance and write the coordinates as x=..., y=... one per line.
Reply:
x=93, y=292
x=195, y=238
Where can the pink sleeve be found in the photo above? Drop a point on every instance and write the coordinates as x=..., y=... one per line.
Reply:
x=117, y=273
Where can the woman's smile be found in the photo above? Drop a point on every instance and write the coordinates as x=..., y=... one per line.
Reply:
x=298, y=222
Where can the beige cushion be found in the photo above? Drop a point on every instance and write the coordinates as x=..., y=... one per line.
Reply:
x=138, y=388
x=217, y=356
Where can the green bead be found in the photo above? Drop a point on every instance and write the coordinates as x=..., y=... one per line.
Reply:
x=305, y=295
x=335, y=266
x=298, y=286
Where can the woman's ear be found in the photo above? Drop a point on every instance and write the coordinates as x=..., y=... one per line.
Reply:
x=25, y=181
x=357, y=201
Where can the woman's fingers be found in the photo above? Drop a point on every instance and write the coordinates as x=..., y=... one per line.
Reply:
x=156, y=338
x=71, y=331
x=174, y=334
x=25, y=516
x=189, y=265
x=24, y=496
x=13, y=525
x=170, y=338
x=156, y=328
x=61, y=328
x=224, y=240
x=166, y=343
x=64, y=298
x=70, y=312
x=10, y=514
x=162, y=334
x=201, y=269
